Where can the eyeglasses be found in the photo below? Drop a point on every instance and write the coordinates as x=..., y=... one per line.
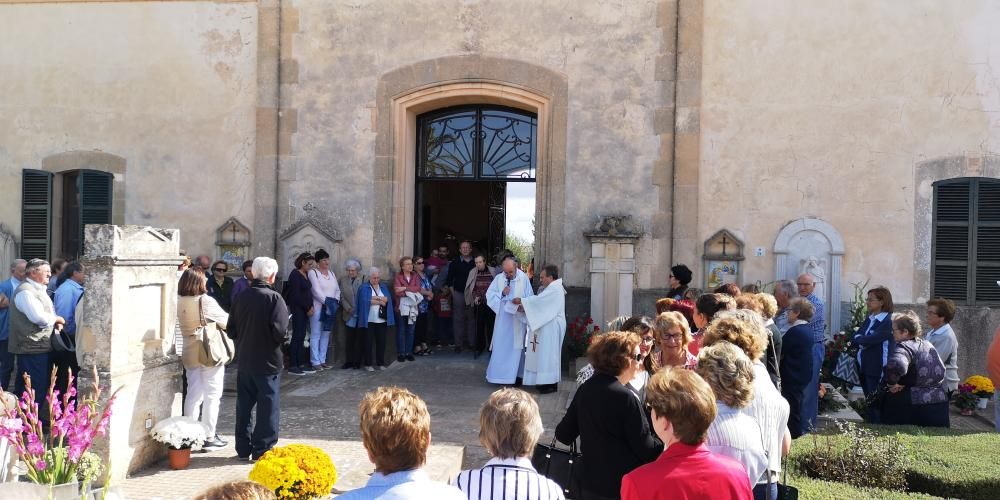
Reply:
x=647, y=340
x=805, y=284
x=670, y=337
x=220, y=269
x=872, y=299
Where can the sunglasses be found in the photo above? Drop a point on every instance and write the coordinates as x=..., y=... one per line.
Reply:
x=637, y=357
x=219, y=269
x=417, y=263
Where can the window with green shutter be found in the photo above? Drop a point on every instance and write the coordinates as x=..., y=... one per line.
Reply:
x=36, y=214
x=966, y=241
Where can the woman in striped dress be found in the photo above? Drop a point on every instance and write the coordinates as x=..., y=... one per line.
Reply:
x=510, y=425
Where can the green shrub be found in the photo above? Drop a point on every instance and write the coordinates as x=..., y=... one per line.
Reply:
x=815, y=489
x=941, y=462
x=856, y=456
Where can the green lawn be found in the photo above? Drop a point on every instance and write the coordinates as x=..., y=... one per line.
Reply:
x=944, y=463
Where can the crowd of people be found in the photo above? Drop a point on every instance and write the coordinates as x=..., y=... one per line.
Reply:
x=703, y=400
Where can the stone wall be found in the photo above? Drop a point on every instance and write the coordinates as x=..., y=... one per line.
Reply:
x=822, y=109
x=169, y=87
x=608, y=53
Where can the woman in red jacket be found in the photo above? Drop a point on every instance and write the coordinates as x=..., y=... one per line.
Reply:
x=683, y=408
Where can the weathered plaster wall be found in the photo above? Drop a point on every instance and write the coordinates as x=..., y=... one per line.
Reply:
x=170, y=87
x=607, y=50
x=822, y=109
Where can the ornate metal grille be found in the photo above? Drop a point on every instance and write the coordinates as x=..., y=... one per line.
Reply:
x=477, y=143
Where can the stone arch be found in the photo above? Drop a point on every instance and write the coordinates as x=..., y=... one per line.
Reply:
x=925, y=175
x=809, y=238
x=465, y=79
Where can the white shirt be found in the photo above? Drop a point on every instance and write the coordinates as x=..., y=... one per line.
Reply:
x=323, y=286
x=770, y=410
x=28, y=304
x=373, y=310
x=738, y=436
x=507, y=479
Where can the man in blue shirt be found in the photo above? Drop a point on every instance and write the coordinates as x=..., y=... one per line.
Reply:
x=6, y=299
x=67, y=297
x=806, y=284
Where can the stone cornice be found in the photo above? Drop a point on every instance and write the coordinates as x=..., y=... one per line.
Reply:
x=10, y=2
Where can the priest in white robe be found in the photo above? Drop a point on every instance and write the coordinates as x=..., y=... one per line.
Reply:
x=545, y=314
x=510, y=328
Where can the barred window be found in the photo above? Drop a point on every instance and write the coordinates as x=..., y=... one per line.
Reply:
x=965, y=258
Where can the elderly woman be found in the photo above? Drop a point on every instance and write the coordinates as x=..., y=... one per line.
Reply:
x=799, y=372
x=705, y=309
x=220, y=286
x=204, y=383
x=349, y=286
x=325, y=301
x=643, y=326
x=608, y=417
x=745, y=329
x=729, y=372
x=940, y=312
x=673, y=336
x=476, y=286
x=914, y=375
x=373, y=313
x=420, y=347
x=683, y=408
x=509, y=427
x=299, y=299
x=408, y=298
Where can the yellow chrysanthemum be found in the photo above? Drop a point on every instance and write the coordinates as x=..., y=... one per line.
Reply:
x=296, y=471
x=982, y=384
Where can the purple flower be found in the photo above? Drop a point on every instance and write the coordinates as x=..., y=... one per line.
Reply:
x=41, y=465
x=35, y=446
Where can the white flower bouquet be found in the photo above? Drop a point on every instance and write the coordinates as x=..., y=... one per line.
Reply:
x=180, y=433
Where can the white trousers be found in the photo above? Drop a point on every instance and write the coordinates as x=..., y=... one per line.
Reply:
x=319, y=341
x=204, y=393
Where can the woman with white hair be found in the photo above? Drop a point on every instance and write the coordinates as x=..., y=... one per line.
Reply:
x=509, y=428
x=349, y=286
x=374, y=312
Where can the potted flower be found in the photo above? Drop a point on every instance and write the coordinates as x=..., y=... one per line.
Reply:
x=181, y=435
x=60, y=457
x=982, y=387
x=578, y=336
x=296, y=471
x=965, y=400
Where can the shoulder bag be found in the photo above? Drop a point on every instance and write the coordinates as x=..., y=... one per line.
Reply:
x=217, y=348
x=557, y=464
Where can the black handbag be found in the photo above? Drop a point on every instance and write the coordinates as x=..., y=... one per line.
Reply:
x=786, y=492
x=557, y=464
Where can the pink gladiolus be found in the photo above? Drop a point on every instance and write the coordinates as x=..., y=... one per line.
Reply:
x=41, y=465
x=35, y=446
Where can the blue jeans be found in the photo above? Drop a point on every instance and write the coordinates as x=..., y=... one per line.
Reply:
x=39, y=368
x=404, y=336
x=297, y=353
x=765, y=491
x=262, y=392
x=6, y=366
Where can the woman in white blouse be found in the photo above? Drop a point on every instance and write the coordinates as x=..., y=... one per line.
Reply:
x=324, y=286
x=940, y=312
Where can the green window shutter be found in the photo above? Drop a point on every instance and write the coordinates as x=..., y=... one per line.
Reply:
x=987, y=258
x=95, y=198
x=36, y=214
x=951, y=240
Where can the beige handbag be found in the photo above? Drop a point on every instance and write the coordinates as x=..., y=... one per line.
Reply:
x=217, y=348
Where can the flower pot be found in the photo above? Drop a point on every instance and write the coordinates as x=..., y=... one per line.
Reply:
x=179, y=459
x=967, y=412
x=982, y=403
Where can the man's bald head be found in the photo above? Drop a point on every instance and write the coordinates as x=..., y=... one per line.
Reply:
x=509, y=266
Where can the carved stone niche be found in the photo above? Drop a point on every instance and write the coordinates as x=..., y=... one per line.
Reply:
x=8, y=251
x=813, y=246
x=308, y=234
x=232, y=243
x=723, y=258
x=612, y=267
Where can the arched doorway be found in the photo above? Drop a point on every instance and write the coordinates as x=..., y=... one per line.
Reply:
x=475, y=178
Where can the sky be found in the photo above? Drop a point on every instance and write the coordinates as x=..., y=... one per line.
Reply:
x=521, y=210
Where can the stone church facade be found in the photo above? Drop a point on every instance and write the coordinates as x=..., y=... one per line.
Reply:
x=747, y=140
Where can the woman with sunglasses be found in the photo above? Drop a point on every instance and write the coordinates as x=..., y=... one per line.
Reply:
x=220, y=286
x=608, y=417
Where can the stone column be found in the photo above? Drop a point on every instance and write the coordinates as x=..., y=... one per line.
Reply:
x=126, y=330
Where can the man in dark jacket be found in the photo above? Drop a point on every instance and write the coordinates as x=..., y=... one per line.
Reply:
x=258, y=322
